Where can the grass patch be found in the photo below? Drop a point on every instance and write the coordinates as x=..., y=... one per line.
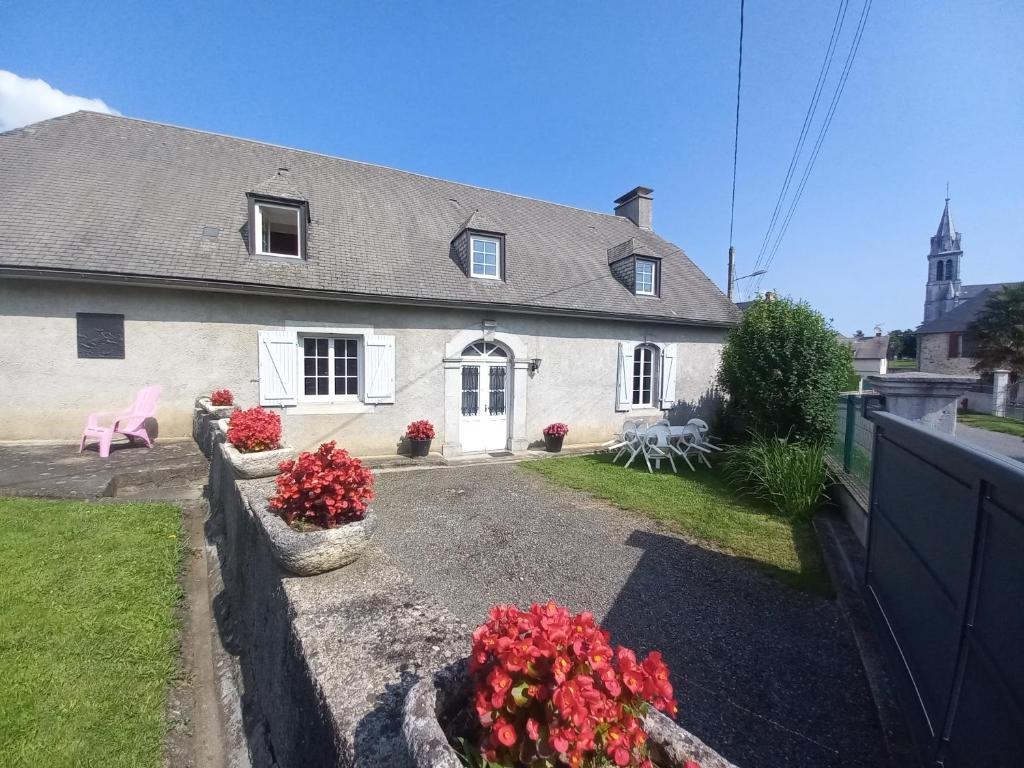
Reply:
x=902, y=365
x=701, y=506
x=88, y=633
x=992, y=423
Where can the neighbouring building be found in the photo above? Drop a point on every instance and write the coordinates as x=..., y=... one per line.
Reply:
x=350, y=297
x=870, y=354
x=944, y=341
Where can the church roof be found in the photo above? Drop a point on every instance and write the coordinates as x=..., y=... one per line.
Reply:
x=963, y=314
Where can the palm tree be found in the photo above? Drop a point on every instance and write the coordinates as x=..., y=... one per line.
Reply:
x=998, y=331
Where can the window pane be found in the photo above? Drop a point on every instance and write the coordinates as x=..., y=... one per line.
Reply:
x=496, y=401
x=310, y=367
x=309, y=346
x=279, y=230
x=470, y=390
x=309, y=386
x=352, y=347
x=321, y=347
x=321, y=366
x=323, y=385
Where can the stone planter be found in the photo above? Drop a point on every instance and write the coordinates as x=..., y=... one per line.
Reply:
x=249, y=466
x=307, y=553
x=418, y=449
x=214, y=411
x=553, y=443
x=438, y=700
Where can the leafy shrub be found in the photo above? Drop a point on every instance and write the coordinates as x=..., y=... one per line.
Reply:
x=254, y=430
x=549, y=688
x=790, y=475
x=222, y=397
x=420, y=430
x=327, y=488
x=558, y=429
x=782, y=368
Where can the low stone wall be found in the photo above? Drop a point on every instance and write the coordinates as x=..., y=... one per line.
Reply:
x=204, y=417
x=324, y=662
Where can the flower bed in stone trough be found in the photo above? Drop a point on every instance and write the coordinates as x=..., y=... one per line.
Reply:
x=544, y=688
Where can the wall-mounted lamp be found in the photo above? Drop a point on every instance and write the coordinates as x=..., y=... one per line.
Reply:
x=534, y=365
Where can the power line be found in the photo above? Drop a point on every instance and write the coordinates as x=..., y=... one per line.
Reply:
x=822, y=133
x=812, y=107
x=736, y=142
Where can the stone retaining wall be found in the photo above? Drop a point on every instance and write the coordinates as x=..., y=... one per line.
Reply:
x=324, y=662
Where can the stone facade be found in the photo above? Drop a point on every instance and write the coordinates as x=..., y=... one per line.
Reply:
x=933, y=356
x=194, y=342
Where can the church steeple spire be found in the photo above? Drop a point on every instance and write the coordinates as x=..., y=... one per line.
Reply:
x=943, y=286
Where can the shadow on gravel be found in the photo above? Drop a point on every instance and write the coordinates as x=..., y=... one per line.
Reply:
x=765, y=676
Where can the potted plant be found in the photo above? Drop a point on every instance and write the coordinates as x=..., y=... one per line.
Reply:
x=207, y=412
x=419, y=434
x=554, y=434
x=222, y=397
x=544, y=687
x=253, y=447
x=319, y=519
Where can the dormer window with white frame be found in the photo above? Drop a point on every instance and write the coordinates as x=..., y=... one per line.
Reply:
x=646, y=277
x=485, y=257
x=278, y=229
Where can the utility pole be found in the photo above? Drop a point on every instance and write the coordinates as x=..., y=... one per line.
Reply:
x=732, y=270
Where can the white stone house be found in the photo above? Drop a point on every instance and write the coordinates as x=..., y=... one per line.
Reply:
x=351, y=297
x=870, y=355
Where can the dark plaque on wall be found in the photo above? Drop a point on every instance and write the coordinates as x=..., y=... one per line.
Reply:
x=100, y=335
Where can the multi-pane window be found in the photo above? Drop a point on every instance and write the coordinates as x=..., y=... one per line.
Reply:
x=277, y=227
x=485, y=257
x=645, y=360
x=645, y=270
x=330, y=367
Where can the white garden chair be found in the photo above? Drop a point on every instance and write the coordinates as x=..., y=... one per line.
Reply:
x=631, y=443
x=690, y=442
x=657, y=445
x=705, y=437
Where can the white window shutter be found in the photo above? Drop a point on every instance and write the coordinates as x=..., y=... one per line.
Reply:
x=667, y=392
x=279, y=380
x=379, y=386
x=623, y=390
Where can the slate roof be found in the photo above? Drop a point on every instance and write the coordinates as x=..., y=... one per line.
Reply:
x=958, y=318
x=112, y=196
x=868, y=348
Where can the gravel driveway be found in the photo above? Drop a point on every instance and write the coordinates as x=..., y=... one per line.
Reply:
x=767, y=675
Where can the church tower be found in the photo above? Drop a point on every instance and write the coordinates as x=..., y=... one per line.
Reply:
x=943, y=285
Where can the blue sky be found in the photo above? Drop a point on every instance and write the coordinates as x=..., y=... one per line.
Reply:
x=578, y=102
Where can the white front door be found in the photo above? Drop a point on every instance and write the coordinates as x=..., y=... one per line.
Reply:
x=484, y=421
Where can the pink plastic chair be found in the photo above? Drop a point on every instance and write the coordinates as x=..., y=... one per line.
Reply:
x=130, y=423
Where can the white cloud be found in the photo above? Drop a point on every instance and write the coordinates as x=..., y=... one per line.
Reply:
x=24, y=101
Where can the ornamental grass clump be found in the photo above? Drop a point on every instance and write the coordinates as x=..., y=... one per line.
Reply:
x=420, y=430
x=222, y=397
x=254, y=430
x=327, y=488
x=790, y=475
x=550, y=690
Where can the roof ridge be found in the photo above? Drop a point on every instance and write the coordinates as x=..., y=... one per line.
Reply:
x=330, y=157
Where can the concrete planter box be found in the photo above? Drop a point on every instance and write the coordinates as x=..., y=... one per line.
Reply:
x=249, y=466
x=308, y=553
x=441, y=698
x=214, y=411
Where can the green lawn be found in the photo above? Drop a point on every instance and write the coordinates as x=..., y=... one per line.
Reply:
x=700, y=506
x=992, y=423
x=88, y=632
x=902, y=365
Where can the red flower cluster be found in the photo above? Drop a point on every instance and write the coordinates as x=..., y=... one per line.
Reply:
x=222, y=397
x=420, y=430
x=327, y=488
x=558, y=429
x=254, y=430
x=549, y=686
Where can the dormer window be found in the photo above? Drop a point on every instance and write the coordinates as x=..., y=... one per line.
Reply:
x=278, y=229
x=646, y=271
x=485, y=257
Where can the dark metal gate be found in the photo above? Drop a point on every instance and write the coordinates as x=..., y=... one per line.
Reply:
x=945, y=586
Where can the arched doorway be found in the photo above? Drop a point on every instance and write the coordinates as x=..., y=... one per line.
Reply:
x=484, y=405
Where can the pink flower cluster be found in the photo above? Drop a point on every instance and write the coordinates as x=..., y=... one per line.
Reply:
x=558, y=429
x=420, y=430
x=327, y=488
x=549, y=687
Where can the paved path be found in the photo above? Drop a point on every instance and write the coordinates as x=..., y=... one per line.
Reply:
x=997, y=442
x=58, y=470
x=765, y=674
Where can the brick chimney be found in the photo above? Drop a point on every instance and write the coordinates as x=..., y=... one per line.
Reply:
x=636, y=206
